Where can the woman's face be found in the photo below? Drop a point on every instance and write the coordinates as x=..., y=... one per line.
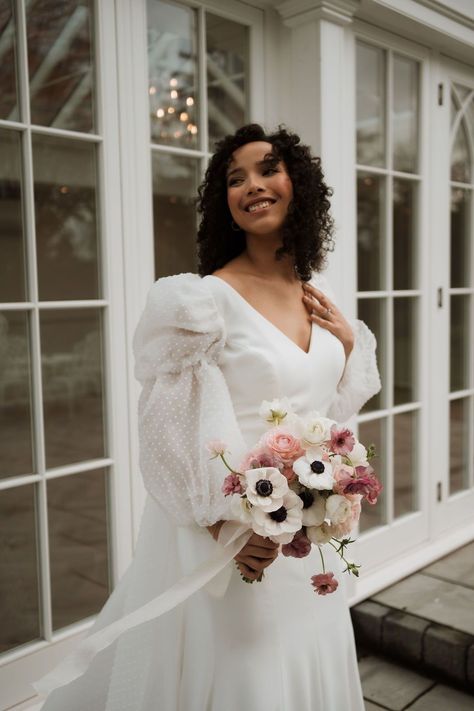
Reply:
x=259, y=189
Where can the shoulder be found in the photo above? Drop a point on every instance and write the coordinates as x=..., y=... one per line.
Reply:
x=179, y=325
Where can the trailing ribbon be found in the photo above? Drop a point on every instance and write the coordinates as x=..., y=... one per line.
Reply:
x=233, y=536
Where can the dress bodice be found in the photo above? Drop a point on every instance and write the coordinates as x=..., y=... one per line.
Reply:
x=260, y=362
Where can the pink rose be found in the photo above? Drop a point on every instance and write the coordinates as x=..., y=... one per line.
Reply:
x=283, y=445
x=324, y=583
x=342, y=440
x=299, y=547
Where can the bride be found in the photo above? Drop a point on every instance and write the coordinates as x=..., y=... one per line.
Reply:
x=182, y=631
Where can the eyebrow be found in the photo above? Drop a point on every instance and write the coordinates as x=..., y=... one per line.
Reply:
x=268, y=158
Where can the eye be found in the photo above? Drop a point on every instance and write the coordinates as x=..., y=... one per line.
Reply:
x=233, y=181
x=270, y=171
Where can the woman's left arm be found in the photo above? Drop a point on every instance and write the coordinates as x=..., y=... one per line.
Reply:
x=360, y=379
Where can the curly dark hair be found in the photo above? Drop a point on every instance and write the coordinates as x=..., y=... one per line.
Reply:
x=308, y=226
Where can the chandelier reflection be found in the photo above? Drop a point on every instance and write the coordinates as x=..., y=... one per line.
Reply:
x=173, y=109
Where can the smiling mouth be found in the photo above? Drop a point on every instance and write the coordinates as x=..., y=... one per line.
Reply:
x=259, y=206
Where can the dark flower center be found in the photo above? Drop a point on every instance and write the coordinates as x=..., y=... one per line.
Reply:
x=263, y=487
x=279, y=515
x=317, y=466
x=307, y=498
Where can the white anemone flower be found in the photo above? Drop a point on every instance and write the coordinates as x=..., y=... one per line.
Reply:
x=314, y=429
x=275, y=411
x=240, y=509
x=266, y=487
x=313, y=471
x=319, y=534
x=358, y=455
x=280, y=525
x=314, y=508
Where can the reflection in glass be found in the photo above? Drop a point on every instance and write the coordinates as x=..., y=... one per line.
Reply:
x=227, y=76
x=374, y=432
x=404, y=235
x=405, y=463
x=60, y=63
x=370, y=232
x=20, y=621
x=461, y=326
x=72, y=371
x=405, y=321
x=12, y=247
x=460, y=160
x=460, y=430
x=460, y=238
x=8, y=77
x=405, y=114
x=172, y=74
x=66, y=218
x=16, y=447
x=78, y=549
x=174, y=190
x=370, y=109
x=372, y=312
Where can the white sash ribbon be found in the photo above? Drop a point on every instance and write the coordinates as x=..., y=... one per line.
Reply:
x=233, y=536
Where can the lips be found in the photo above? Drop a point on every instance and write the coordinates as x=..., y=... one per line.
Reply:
x=260, y=204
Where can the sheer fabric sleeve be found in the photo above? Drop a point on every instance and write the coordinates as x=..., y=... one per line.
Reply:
x=184, y=401
x=360, y=379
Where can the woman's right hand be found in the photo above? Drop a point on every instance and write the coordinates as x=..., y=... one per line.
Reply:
x=257, y=554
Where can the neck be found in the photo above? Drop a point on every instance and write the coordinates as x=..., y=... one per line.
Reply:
x=260, y=257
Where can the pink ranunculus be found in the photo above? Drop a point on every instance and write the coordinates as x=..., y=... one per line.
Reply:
x=324, y=583
x=232, y=485
x=343, y=474
x=299, y=547
x=260, y=457
x=367, y=485
x=283, y=445
x=342, y=440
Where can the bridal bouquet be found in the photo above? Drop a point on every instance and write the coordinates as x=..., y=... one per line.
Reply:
x=302, y=484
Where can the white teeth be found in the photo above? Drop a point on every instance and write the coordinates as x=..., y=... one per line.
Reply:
x=259, y=205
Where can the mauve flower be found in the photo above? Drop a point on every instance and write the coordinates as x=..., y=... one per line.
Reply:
x=232, y=485
x=324, y=583
x=343, y=475
x=361, y=480
x=342, y=440
x=260, y=457
x=299, y=547
x=284, y=445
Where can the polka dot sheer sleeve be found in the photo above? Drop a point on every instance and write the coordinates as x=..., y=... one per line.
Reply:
x=184, y=401
x=360, y=379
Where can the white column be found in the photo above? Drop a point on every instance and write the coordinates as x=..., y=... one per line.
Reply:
x=320, y=106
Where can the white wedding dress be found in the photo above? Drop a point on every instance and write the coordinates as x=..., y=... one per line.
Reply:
x=206, y=359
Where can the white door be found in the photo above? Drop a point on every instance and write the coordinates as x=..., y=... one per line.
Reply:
x=453, y=271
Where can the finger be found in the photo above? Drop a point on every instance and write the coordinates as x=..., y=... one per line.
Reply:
x=320, y=295
x=252, y=562
x=257, y=540
x=248, y=572
x=259, y=552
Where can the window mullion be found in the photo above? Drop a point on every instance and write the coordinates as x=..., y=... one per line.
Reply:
x=202, y=79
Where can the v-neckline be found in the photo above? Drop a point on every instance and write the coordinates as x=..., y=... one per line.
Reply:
x=266, y=320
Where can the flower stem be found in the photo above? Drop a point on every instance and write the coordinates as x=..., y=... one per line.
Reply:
x=338, y=550
x=322, y=558
x=228, y=465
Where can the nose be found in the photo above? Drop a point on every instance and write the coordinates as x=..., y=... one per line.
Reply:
x=254, y=187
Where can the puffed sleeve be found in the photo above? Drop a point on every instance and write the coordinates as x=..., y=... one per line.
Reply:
x=184, y=401
x=360, y=379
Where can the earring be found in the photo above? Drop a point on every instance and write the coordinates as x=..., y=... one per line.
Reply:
x=235, y=226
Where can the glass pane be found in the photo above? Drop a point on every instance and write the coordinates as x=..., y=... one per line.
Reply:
x=78, y=549
x=374, y=432
x=404, y=235
x=372, y=312
x=19, y=593
x=8, y=77
x=370, y=232
x=459, y=434
x=460, y=161
x=12, y=246
x=370, y=105
x=405, y=457
x=16, y=447
x=405, y=114
x=174, y=209
x=72, y=370
x=460, y=238
x=459, y=356
x=227, y=76
x=60, y=63
x=66, y=218
x=405, y=319
x=172, y=74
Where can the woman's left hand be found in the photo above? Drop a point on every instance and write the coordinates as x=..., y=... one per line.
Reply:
x=326, y=314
